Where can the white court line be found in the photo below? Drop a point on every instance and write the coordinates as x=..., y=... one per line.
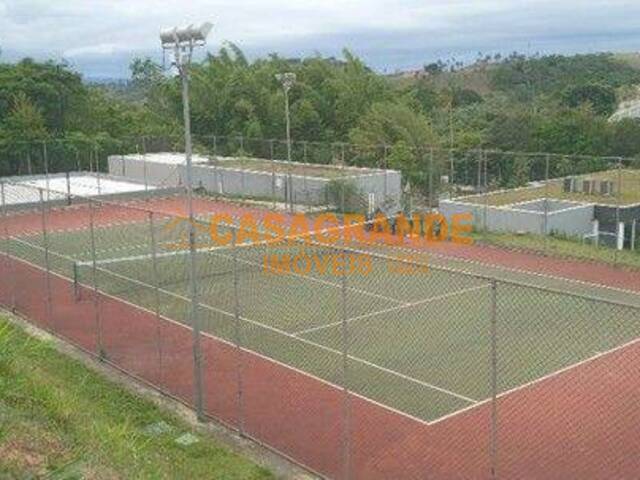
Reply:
x=538, y=380
x=476, y=404
x=252, y=352
x=521, y=271
x=392, y=309
x=305, y=341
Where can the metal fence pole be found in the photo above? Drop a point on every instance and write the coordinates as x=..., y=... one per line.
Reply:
x=94, y=281
x=7, y=236
x=546, y=205
x=156, y=288
x=195, y=323
x=45, y=158
x=47, y=267
x=145, y=174
x=346, y=418
x=273, y=175
x=494, y=378
x=431, y=197
x=618, y=202
x=97, y=156
x=238, y=337
x=482, y=172
x=68, y=182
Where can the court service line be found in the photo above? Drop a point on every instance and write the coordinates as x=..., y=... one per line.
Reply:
x=306, y=341
x=393, y=309
x=303, y=340
x=504, y=268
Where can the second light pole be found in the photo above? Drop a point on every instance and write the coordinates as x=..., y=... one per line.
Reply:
x=288, y=80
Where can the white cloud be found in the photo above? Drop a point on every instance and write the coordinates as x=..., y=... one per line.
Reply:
x=80, y=28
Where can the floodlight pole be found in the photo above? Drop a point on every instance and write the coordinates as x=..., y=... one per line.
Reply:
x=287, y=80
x=183, y=54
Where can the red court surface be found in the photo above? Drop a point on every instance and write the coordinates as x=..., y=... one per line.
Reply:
x=582, y=423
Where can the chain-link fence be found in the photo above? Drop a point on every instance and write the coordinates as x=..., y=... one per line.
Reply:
x=351, y=357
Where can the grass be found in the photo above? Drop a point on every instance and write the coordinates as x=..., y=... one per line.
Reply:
x=396, y=357
x=282, y=167
x=554, y=189
x=561, y=247
x=60, y=420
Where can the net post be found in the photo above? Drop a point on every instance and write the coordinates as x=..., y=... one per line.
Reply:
x=47, y=266
x=156, y=289
x=94, y=280
x=238, y=336
x=493, y=328
x=346, y=406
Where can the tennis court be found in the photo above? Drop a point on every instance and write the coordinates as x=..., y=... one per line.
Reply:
x=427, y=343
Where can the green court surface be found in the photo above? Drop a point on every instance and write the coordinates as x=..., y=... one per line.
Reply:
x=420, y=342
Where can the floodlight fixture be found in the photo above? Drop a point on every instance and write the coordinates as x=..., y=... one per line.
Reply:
x=287, y=80
x=190, y=35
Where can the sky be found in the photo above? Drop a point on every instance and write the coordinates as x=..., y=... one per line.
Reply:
x=100, y=37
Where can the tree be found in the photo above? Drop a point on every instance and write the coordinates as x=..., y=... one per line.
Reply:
x=601, y=98
x=25, y=122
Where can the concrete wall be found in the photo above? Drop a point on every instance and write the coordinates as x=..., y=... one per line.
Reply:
x=306, y=190
x=574, y=221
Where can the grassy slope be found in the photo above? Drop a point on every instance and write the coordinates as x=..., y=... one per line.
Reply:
x=564, y=248
x=60, y=420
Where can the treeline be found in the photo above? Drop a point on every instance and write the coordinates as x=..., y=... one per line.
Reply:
x=554, y=104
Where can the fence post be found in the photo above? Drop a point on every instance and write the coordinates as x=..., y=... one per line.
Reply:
x=494, y=378
x=273, y=174
x=94, y=281
x=546, y=205
x=195, y=324
x=156, y=288
x=10, y=261
x=45, y=157
x=68, y=180
x=47, y=269
x=346, y=412
x=97, y=157
x=431, y=202
x=238, y=337
x=482, y=172
x=618, y=202
x=145, y=173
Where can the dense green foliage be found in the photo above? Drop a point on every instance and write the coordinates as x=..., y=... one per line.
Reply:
x=555, y=104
